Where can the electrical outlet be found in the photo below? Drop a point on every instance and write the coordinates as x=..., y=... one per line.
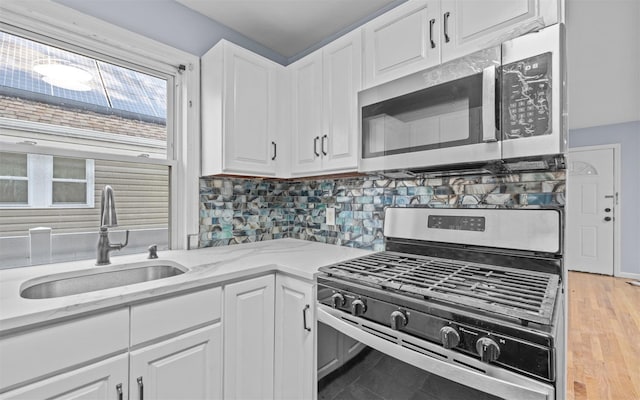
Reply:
x=331, y=216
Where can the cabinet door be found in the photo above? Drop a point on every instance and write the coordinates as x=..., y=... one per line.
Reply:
x=104, y=380
x=342, y=81
x=295, y=372
x=249, y=339
x=306, y=116
x=468, y=26
x=401, y=41
x=250, y=112
x=188, y=366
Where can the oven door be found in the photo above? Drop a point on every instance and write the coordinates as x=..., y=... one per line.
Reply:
x=445, y=115
x=396, y=365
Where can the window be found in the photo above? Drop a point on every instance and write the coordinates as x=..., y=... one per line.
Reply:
x=115, y=122
x=14, y=182
x=42, y=181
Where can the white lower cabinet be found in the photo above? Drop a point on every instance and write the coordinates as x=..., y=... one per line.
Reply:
x=252, y=339
x=188, y=366
x=164, y=349
x=105, y=380
x=249, y=338
x=295, y=376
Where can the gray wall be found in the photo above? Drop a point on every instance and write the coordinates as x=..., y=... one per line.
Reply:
x=603, y=48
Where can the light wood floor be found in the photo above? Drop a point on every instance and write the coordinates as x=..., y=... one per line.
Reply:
x=603, y=357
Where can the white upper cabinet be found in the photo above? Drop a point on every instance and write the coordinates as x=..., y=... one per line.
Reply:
x=306, y=116
x=324, y=88
x=239, y=112
x=420, y=34
x=401, y=41
x=468, y=26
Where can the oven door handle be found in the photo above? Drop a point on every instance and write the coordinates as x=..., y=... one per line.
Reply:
x=516, y=387
x=489, y=105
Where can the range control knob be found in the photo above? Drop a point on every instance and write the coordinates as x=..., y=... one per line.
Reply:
x=338, y=300
x=398, y=320
x=358, y=307
x=449, y=337
x=488, y=349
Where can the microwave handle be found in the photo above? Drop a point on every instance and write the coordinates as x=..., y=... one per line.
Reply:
x=489, y=131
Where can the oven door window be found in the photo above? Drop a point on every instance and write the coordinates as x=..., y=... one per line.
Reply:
x=446, y=115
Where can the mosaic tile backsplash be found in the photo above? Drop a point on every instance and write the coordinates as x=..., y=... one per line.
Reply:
x=236, y=210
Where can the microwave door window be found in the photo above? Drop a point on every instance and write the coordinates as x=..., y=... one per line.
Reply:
x=446, y=115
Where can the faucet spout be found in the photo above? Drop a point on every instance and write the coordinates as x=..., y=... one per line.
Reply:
x=108, y=219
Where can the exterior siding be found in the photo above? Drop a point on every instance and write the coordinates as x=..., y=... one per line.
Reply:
x=141, y=197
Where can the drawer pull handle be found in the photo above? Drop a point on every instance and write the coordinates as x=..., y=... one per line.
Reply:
x=275, y=150
x=304, y=318
x=315, y=146
x=325, y=138
x=140, y=388
x=119, y=391
x=431, y=23
x=446, y=26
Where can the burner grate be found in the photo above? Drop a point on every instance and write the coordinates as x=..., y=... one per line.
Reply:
x=523, y=294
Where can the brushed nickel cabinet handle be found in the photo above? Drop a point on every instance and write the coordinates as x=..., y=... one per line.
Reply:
x=315, y=146
x=119, y=391
x=304, y=318
x=275, y=150
x=140, y=388
x=325, y=138
x=446, y=26
x=431, y=23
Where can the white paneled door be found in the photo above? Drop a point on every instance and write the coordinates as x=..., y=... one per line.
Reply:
x=591, y=203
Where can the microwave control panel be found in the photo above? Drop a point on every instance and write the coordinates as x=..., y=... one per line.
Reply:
x=526, y=97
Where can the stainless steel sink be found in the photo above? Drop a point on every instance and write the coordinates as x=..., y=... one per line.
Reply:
x=91, y=280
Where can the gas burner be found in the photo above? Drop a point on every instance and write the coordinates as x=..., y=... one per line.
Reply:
x=526, y=295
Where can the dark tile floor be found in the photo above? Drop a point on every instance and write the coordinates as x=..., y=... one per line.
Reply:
x=374, y=376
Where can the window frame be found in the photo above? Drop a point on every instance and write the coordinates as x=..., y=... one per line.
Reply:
x=57, y=25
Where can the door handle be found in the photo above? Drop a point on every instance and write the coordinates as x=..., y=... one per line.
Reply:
x=489, y=128
x=304, y=318
x=140, y=388
x=446, y=27
x=325, y=138
x=431, y=23
x=607, y=219
x=275, y=150
x=119, y=391
x=315, y=146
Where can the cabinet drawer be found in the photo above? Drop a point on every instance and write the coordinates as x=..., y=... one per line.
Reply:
x=39, y=352
x=159, y=318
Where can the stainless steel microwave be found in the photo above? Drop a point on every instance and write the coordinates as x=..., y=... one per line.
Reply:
x=504, y=102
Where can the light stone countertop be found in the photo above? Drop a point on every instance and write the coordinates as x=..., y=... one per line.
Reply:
x=206, y=267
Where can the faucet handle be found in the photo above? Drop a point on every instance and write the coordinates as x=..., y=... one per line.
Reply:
x=153, y=251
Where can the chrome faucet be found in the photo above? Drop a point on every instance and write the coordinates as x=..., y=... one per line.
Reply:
x=108, y=219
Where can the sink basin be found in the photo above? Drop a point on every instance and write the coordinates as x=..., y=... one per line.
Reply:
x=91, y=280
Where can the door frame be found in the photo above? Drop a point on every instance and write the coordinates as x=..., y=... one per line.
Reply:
x=617, y=192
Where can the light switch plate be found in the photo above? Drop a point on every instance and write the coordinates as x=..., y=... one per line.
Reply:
x=330, y=216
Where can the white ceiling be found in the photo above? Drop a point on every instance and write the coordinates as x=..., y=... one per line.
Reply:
x=287, y=27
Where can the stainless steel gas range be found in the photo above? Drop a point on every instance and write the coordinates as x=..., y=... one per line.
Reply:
x=474, y=296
